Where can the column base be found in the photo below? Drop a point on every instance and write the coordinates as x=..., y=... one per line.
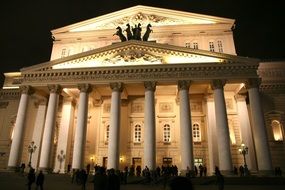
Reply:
x=45, y=170
x=227, y=172
x=187, y=173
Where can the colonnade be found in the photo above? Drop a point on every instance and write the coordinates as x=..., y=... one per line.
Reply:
x=220, y=128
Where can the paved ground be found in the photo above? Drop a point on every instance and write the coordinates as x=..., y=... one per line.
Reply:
x=14, y=181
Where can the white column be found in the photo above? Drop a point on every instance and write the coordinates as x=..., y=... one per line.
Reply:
x=259, y=130
x=81, y=127
x=223, y=136
x=246, y=134
x=47, y=141
x=149, y=126
x=186, y=139
x=114, y=136
x=212, y=135
x=19, y=130
x=64, y=135
x=38, y=130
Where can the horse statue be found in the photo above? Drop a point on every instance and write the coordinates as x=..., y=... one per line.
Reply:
x=147, y=32
x=129, y=33
x=120, y=34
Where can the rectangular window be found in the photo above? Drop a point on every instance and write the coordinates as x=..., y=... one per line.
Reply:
x=220, y=46
x=137, y=134
x=211, y=46
x=166, y=133
x=198, y=162
x=195, y=45
x=188, y=45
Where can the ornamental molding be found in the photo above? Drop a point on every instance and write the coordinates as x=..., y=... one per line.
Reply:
x=9, y=94
x=166, y=72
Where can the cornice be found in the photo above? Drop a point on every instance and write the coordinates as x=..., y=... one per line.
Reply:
x=163, y=72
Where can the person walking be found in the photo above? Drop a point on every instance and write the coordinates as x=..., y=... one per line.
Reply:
x=31, y=178
x=40, y=180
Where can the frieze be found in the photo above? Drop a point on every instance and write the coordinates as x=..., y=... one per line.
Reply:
x=141, y=73
x=10, y=94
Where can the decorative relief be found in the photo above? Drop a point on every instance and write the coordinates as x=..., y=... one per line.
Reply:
x=137, y=108
x=107, y=108
x=196, y=106
x=133, y=57
x=166, y=107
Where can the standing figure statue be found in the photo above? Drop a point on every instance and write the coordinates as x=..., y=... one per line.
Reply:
x=147, y=32
x=120, y=34
x=138, y=32
x=129, y=33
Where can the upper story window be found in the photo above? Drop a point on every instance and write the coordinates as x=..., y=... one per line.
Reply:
x=64, y=52
x=195, y=45
x=107, y=133
x=166, y=133
x=137, y=133
x=277, y=130
x=220, y=46
x=196, y=132
x=188, y=44
x=211, y=46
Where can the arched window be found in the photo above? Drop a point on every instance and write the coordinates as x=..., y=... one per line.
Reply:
x=166, y=133
x=137, y=133
x=107, y=132
x=196, y=132
x=277, y=131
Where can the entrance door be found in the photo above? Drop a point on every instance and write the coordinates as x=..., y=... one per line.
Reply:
x=105, y=162
x=167, y=161
x=137, y=162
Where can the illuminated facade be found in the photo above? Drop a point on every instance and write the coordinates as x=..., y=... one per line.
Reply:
x=182, y=97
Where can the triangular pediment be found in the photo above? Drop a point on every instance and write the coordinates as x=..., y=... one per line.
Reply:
x=136, y=53
x=144, y=15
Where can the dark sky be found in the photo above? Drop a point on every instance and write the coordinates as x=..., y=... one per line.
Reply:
x=25, y=37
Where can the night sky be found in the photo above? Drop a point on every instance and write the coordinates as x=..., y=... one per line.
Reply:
x=25, y=38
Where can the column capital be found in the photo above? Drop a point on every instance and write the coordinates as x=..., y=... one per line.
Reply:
x=117, y=86
x=252, y=83
x=218, y=84
x=84, y=88
x=27, y=90
x=184, y=84
x=54, y=88
x=150, y=85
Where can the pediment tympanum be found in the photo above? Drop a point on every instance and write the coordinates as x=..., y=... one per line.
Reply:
x=131, y=55
x=143, y=15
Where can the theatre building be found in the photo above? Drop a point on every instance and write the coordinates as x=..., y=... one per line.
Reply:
x=167, y=89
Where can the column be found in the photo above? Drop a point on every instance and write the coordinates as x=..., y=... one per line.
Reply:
x=47, y=141
x=81, y=127
x=149, y=126
x=114, y=136
x=186, y=139
x=212, y=135
x=64, y=134
x=38, y=129
x=246, y=134
x=258, y=128
x=17, y=142
x=223, y=136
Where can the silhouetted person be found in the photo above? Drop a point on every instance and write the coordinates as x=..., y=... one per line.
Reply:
x=22, y=168
x=180, y=183
x=241, y=170
x=31, y=178
x=113, y=180
x=220, y=179
x=40, y=180
x=100, y=179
